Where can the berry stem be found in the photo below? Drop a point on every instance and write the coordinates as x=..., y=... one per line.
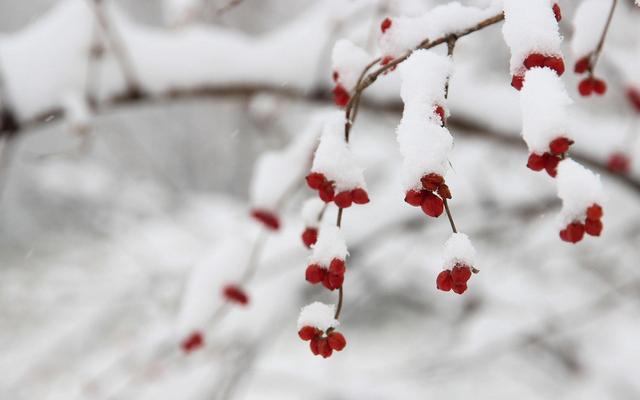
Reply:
x=596, y=53
x=339, y=307
x=450, y=216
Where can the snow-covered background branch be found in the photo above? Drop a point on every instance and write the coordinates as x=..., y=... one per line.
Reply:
x=126, y=191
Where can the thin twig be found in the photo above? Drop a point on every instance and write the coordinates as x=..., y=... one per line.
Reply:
x=596, y=53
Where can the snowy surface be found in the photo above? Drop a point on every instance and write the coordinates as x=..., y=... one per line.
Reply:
x=318, y=315
x=578, y=188
x=458, y=249
x=331, y=244
x=588, y=25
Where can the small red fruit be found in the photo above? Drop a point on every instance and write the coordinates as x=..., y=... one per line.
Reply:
x=359, y=196
x=315, y=180
x=314, y=345
x=340, y=96
x=633, y=95
x=336, y=341
x=573, y=233
x=335, y=281
x=619, y=162
x=235, y=294
x=459, y=288
x=314, y=274
x=556, y=64
x=337, y=266
x=586, y=87
x=534, y=60
x=432, y=205
x=594, y=212
x=431, y=181
x=324, y=349
x=310, y=237
x=413, y=197
x=517, y=81
x=444, y=192
x=551, y=165
x=193, y=342
x=599, y=86
x=308, y=332
x=560, y=145
x=267, y=218
x=343, y=199
x=582, y=65
x=444, y=281
x=557, y=12
x=386, y=24
x=460, y=274
x=326, y=192
x=593, y=227
x=536, y=162
x=440, y=113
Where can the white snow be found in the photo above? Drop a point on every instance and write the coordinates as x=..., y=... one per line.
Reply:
x=311, y=210
x=334, y=159
x=578, y=188
x=349, y=61
x=318, y=315
x=180, y=12
x=544, y=101
x=588, y=24
x=330, y=245
x=458, y=249
x=424, y=144
x=77, y=112
x=530, y=27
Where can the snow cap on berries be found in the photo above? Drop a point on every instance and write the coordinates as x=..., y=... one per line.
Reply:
x=578, y=188
x=276, y=171
x=311, y=210
x=334, y=159
x=424, y=75
x=348, y=61
x=318, y=315
x=544, y=101
x=330, y=245
x=530, y=27
x=458, y=249
x=588, y=24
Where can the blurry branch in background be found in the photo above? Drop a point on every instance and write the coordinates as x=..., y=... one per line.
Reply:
x=227, y=7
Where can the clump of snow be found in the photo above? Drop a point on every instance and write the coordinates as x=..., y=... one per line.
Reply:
x=530, y=27
x=330, y=245
x=318, y=315
x=407, y=33
x=311, y=210
x=544, y=101
x=349, y=61
x=334, y=159
x=424, y=144
x=458, y=249
x=588, y=24
x=276, y=172
x=77, y=112
x=578, y=188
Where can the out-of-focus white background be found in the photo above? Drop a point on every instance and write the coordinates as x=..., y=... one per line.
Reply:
x=98, y=235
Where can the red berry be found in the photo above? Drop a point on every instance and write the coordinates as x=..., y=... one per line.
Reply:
x=308, y=332
x=599, y=86
x=337, y=266
x=573, y=233
x=582, y=65
x=459, y=288
x=268, y=219
x=586, y=87
x=444, y=281
x=440, y=112
x=310, y=237
x=329, y=282
x=324, y=349
x=560, y=145
x=314, y=274
x=326, y=192
x=633, y=95
x=335, y=281
x=340, y=96
x=593, y=227
x=517, y=81
x=431, y=181
x=193, y=342
x=359, y=196
x=551, y=165
x=235, y=294
x=619, y=163
x=386, y=24
x=556, y=64
x=413, y=197
x=432, y=205
x=444, y=192
x=336, y=341
x=460, y=274
x=594, y=212
x=343, y=199
x=556, y=12
x=336, y=76
x=536, y=162
x=534, y=60
x=314, y=345
x=315, y=180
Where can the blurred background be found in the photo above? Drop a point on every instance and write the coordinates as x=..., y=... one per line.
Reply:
x=106, y=214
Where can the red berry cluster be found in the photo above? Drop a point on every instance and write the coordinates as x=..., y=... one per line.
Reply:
x=267, y=218
x=320, y=344
x=310, y=236
x=193, y=342
x=590, y=84
x=619, y=163
x=549, y=160
x=340, y=95
x=534, y=60
x=633, y=95
x=574, y=232
x=331, y=278
x=456, y=278
x=317, y=181
x=235, y=294
x=431, y=204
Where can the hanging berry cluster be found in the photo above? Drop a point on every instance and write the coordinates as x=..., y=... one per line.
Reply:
x=317, y=325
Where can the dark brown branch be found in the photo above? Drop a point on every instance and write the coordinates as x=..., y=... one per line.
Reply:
x=596, y=53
